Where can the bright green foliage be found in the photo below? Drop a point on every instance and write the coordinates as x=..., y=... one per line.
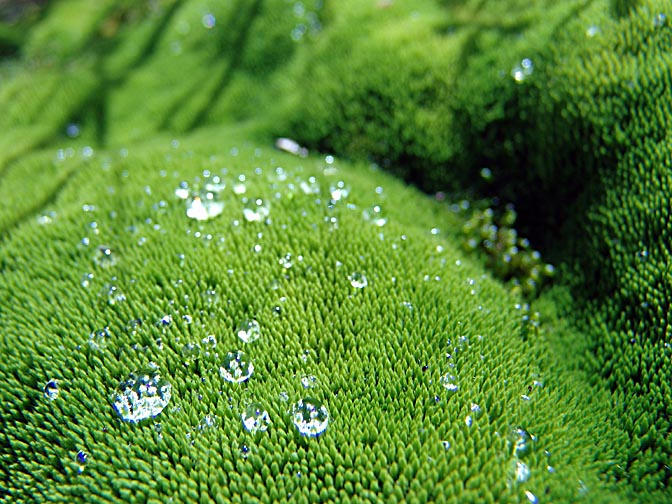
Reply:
x=162, y=91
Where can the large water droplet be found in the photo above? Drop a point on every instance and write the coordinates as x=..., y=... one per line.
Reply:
x=51, y=389
x=248, y=330
x=143, y=395
x=255, y=418
x=310, y=417
x=236, y=367
x=358, y=280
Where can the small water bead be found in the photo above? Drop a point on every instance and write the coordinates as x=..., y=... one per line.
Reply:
x=248, y=330
x=374, y=215
x=255, y=418
x=522, y=471
x=659, y=20
x=522, y=442
x=113, y=294
x=209, y=21
x=531, y=497
x=104, y=257
x=358, y=280
x=86, y=280
x=449, y=382
x=310, y=417
x=523, y=70
x=143, y=395
x=308, y=381
x=236, y=367
x=208, y=422
x=256, y=211
x=81, y=458
x=51, y=390
x=190, y=352
x=286, y=262
x=209, y=341
x=99, y=339
x=291, y=146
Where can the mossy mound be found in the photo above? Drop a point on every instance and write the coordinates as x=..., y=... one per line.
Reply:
x=378, y=353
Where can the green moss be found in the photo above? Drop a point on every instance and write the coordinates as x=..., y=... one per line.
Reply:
x=425, y=90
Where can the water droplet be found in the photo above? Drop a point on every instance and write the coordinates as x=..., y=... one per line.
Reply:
x=522, y=471
x=208, y=422
x=51, y=390
x=248, y=330
x=659, y=20
x=143, y=395
x=209, y=21
x=86, y=280
x=99, y=339
x=81, y=458
x=308, y=381
x=522, y=442
x=286, y=262
x=209, y=341
x=310, y=417
x=289, y=145
x=531, y=497
x=449, y=382
x=255, y=418
x=446, y=445
x=236, y=367
x=468, y=421
x=374, y=215
x=256, y=211
x=113, y=295
x=523, y=70
x=104, y=257
x=358, y=280
x=592, y=30
x=190, y=352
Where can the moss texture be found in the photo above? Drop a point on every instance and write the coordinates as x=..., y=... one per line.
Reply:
x=108, y=108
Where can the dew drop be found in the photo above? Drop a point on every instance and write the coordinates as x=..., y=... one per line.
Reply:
x=143, y=395
x=374, y=215
x=104, y=257
x=522, y=442
x=236, y=367
x=99, y=339
x=248, y=330
x=449, y=382
x=522, y=471
x=310, y=417
x=209, y=341
x=81, y=458
x=358, y=280
x=308, y=381
x=446, y=445
x=51, y=390
x=531, y=497
x=255, y=418
x=256, y=211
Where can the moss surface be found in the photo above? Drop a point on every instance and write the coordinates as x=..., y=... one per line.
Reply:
x=108, y=109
